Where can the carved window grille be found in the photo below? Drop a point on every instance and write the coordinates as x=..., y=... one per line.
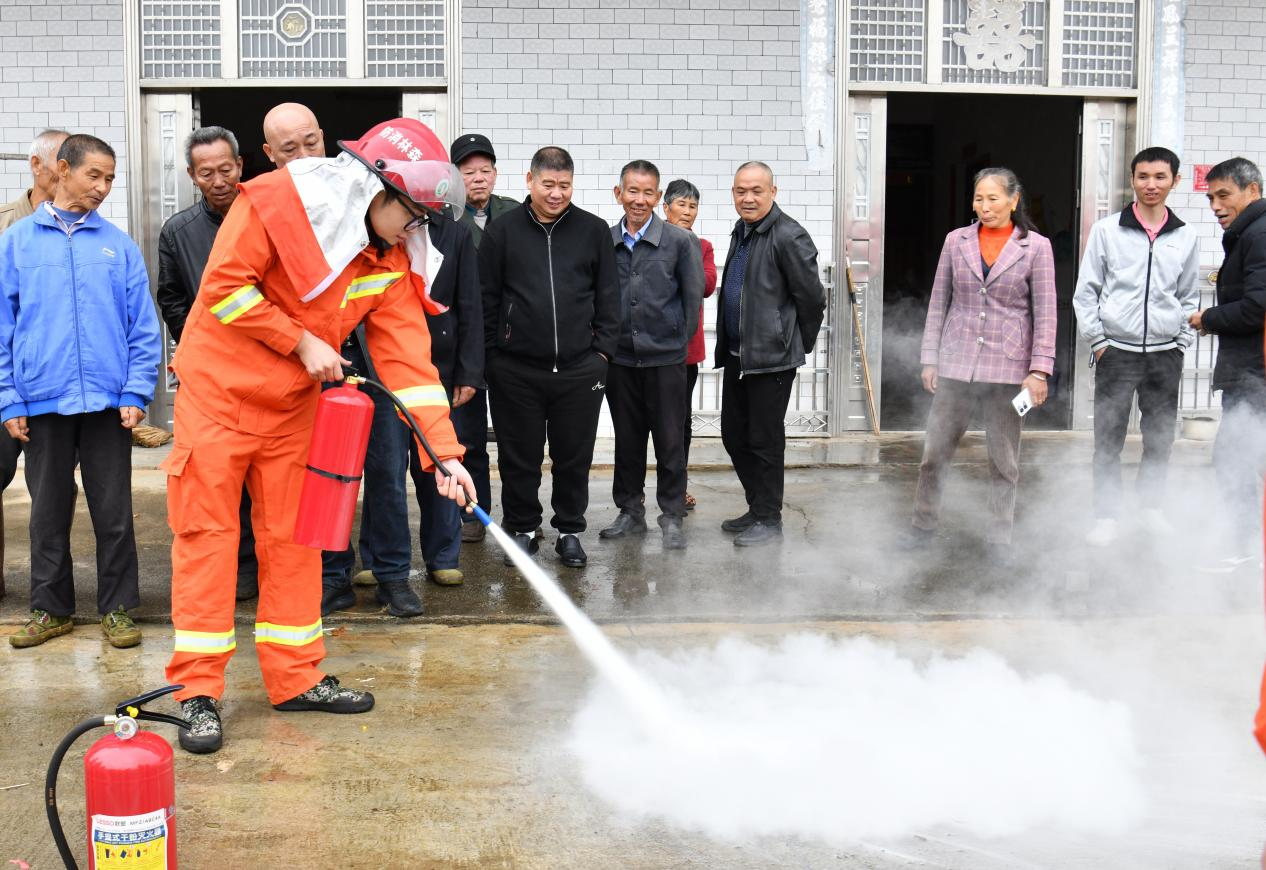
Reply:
x=886, y=40
x=1099, y=43
x=293, y=38
x=180, y=39
x=404, y=39
x=1002, y=47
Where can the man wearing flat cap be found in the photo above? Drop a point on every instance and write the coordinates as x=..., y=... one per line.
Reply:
x=472, y=154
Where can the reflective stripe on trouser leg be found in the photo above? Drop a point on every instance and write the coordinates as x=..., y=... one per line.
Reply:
x=204, y=488
x=288, y=637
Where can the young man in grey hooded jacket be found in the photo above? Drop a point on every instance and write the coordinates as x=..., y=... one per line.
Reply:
x=1135, y=290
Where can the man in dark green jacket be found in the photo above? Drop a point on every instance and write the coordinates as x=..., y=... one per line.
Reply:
x=472, y=153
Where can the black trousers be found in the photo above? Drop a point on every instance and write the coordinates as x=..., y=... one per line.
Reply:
x=104, y=450
x=752, y=412
x=1119, y=375
x=648, y=401
x=1239, y=457
x=530, y=404
x=692, y=377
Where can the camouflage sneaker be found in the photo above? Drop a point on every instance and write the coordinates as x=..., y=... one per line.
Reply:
x=40, y=627
x=205, y=733
x=328, y=697
x=120, y=630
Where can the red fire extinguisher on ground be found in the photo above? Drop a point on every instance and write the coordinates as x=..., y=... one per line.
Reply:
x=130, y=790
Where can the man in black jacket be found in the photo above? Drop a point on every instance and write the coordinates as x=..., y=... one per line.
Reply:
x=457, y=350
x=1239, y=455
x=661, y=285
x=214, y=163
x=770, y=308
x=551, y=321
x=473, y=155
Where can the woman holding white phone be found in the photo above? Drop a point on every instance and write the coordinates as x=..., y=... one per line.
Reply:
x=989, y=337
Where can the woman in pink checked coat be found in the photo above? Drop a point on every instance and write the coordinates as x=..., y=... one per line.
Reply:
x=990, y=333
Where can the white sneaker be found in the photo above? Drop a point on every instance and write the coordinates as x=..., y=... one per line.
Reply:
x=1155, y=522
x=1104, y=533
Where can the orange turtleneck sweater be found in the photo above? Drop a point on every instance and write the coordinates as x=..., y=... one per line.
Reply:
x=992, y=241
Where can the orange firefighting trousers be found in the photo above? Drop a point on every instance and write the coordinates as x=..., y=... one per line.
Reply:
x=205, y=471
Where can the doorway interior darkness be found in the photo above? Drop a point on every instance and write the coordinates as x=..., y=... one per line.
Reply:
x=344, y=113
x=936, y=144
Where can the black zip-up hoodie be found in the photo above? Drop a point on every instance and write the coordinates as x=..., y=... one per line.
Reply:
x=550, y=291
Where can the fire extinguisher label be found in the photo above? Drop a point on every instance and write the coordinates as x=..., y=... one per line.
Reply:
x=130, y=842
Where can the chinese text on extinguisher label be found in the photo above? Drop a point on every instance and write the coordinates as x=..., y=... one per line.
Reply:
x=131, y=842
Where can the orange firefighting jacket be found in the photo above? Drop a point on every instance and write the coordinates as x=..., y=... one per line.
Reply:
x=236, y=360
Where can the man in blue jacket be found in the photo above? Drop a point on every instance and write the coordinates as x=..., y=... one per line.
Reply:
x=79, y=351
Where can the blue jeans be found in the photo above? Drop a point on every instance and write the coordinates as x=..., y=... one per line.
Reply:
x=441, y=531
x=385, y=547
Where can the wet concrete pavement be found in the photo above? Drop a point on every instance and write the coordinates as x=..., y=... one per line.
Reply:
x=464, y=763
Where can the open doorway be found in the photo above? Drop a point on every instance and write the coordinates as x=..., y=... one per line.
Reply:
x=344, y=113
x=936, y=144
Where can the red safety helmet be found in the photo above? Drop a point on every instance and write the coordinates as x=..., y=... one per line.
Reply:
x=411, y=160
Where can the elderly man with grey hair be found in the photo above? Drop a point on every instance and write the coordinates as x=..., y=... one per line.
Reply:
x=1238, y=318
x=43, y=156
x=214, y=162
x=44, y=177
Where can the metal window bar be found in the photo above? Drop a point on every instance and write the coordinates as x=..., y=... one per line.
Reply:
x=886, y=40
x=808, y=412
x=1100, y=38
x=180, y=39
x=404, y=39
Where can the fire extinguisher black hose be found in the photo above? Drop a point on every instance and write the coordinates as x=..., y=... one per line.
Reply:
x=413, y=424
x=471, y=504
x=50, y=786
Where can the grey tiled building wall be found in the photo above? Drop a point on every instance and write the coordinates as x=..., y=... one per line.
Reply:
x=695, y=86
x=1225, y=116
x=62, y=67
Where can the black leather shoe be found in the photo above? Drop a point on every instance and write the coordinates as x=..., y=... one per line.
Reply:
x=625, y=525
x=399, y=598
x=569, y=551
x=674, y=537
x=758, y=534
x=528, y=543
x=739, y=524
x=247, y=587
x=337, y=598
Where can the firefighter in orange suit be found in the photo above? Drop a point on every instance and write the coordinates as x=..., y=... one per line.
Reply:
x=305, y=254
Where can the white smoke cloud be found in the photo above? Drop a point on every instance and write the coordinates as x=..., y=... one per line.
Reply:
x=843, y=739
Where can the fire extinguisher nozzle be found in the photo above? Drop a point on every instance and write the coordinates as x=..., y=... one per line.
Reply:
x=481, y=514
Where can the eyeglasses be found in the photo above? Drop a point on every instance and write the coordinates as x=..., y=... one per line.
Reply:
x=419, y=220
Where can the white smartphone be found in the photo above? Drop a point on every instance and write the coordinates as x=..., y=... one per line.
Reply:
x=1023, y=402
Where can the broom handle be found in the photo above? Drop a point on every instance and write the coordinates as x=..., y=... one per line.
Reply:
x=861, y=345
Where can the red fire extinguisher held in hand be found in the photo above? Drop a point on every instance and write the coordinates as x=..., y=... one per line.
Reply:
x=129, y=786
x=336, y=459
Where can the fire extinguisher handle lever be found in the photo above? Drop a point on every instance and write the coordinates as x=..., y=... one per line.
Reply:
x=132, y=707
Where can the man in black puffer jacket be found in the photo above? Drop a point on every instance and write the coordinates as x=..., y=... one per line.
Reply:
x=551, y=321
x=1239, y=456
x=771, y=305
